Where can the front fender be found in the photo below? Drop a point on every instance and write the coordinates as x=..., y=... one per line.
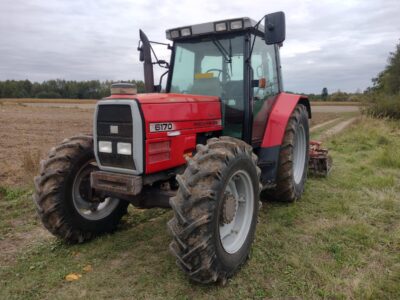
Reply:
x=279, y=117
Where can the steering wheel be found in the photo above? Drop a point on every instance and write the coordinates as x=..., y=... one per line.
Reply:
x=219, y=73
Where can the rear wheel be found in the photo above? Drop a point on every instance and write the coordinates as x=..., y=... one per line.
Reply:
x=293, y=159
x=215, y=210
x=63, y=195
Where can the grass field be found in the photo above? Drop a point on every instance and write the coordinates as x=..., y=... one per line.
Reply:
x=342, y=240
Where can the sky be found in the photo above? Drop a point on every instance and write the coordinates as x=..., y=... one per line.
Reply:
x=340, y=45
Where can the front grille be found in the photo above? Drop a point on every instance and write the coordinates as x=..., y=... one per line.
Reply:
x=114, y=124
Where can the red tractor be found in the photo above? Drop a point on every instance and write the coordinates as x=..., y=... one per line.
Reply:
x=221, y=134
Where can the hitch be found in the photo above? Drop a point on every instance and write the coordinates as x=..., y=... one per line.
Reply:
x=320, y=163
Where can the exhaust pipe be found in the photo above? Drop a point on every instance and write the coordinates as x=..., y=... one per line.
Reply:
x=145, y=57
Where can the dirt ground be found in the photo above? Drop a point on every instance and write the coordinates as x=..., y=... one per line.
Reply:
x=29, y=130
x=27, y=133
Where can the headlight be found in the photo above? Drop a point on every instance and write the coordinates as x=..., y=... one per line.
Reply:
x=105, y=147
x=124, y=148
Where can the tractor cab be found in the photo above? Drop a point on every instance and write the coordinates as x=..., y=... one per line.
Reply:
x=235, y=60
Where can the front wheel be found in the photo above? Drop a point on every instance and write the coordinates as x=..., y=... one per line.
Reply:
x=215, y=210
x=63, y=195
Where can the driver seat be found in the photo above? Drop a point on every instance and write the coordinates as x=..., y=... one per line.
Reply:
x=207, y=86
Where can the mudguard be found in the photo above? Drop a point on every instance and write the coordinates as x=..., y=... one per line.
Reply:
x=268, y=154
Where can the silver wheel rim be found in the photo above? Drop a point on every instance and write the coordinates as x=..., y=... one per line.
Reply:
x=89, y=210
x=299, y=154
x=233, y=235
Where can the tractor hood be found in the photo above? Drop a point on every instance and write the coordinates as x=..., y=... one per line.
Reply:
x=164, y=98
x=169, y=124
x=186, y=111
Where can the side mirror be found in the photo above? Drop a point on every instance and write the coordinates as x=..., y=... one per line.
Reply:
x=274, y=28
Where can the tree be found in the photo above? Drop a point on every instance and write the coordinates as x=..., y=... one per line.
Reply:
x=384, y=96
x=324, y=94
x=339, y=96
x=388, y=81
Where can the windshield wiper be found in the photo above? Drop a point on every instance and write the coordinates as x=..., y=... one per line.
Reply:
x=227, y=55
x=222, y=50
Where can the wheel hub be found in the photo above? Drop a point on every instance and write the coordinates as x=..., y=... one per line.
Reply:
x=228, y=209
x=88, y=205
x=236, y=211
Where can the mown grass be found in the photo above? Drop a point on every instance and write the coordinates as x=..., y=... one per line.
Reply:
x=318, y=118
x=17, y=212
x=337, y=117
x=342, y=240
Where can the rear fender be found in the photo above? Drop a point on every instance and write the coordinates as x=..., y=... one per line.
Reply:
x=268, y=154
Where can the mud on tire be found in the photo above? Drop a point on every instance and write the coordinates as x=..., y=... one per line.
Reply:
x=54, y=188
x=287, y=188
x=197, y=210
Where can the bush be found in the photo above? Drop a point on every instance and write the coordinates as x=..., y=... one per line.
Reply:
x=383, y=106
x=48, y=95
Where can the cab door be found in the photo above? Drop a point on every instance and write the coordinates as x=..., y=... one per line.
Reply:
x=265, y=86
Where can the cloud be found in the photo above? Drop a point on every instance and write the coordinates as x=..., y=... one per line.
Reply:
x=333, y=44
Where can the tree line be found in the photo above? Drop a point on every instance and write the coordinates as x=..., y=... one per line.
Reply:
x=59, y=88
x=337, y=96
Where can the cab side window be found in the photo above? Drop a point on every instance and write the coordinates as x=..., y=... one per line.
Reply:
x=263, y=63
x=265, y=86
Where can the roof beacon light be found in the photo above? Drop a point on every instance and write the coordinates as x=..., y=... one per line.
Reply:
x=220, y=26
x=237, y=24
x=186, y=31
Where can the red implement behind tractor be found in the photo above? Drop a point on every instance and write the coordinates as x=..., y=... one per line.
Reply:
x=221, y=133
x=320, y=163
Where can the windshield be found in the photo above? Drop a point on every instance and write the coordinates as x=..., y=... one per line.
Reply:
x=214, y=67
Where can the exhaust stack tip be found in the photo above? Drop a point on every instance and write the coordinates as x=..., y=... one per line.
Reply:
x=123, y=89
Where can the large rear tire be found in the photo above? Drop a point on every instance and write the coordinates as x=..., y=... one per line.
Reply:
x=63, y=194
x=215, y=210
x=293, y=159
